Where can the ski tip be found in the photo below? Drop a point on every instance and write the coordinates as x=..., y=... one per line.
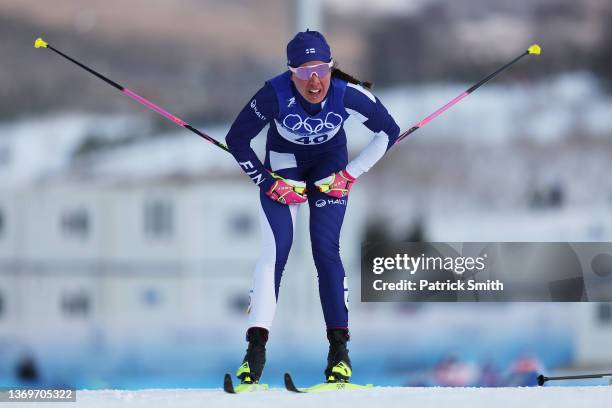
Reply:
x=228, y=385
x=289, y=384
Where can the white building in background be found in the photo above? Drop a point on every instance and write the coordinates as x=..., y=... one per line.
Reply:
x=157, y=258
x=594, y=335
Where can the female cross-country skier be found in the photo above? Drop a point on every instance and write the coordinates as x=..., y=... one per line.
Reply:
x=306, y=160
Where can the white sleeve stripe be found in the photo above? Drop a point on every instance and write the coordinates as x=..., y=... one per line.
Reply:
x=356, y=115
x=362, y=90
x=369, y=155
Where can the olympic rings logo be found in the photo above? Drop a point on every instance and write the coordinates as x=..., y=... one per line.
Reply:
x=295, y=123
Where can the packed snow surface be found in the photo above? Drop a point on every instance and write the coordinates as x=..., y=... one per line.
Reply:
x=553, y=397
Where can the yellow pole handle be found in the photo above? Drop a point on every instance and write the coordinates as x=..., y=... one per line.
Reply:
x=40, y=43
x=535, y=49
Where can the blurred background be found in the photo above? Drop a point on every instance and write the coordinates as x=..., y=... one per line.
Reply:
x=127, y=243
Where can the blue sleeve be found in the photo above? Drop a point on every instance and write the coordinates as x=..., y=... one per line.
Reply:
x=250, y=121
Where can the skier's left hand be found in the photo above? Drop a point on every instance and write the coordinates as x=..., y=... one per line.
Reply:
x=337, y=185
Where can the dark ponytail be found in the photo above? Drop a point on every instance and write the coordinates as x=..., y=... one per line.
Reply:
x=338, y=73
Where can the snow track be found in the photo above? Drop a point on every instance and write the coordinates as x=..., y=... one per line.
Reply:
x=547, y=397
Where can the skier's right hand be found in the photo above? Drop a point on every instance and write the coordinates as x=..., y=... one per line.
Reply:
x=286, y=191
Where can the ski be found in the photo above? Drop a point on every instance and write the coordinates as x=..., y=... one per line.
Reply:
x=338, y=386
x=228, y=386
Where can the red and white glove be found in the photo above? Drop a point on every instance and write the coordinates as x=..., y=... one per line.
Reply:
x=337, y=185
x=287, y=191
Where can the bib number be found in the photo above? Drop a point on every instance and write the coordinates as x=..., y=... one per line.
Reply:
x=312, y=140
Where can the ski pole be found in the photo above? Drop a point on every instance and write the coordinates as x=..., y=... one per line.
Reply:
x=542, y=379
x=534, y=49
x=40, y=43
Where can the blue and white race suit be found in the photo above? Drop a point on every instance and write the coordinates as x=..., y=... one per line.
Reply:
x=305, y=142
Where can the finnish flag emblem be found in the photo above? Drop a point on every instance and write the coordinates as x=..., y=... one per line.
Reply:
x=310, y=51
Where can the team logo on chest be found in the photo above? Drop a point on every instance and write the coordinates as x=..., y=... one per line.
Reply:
x=310, y=130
